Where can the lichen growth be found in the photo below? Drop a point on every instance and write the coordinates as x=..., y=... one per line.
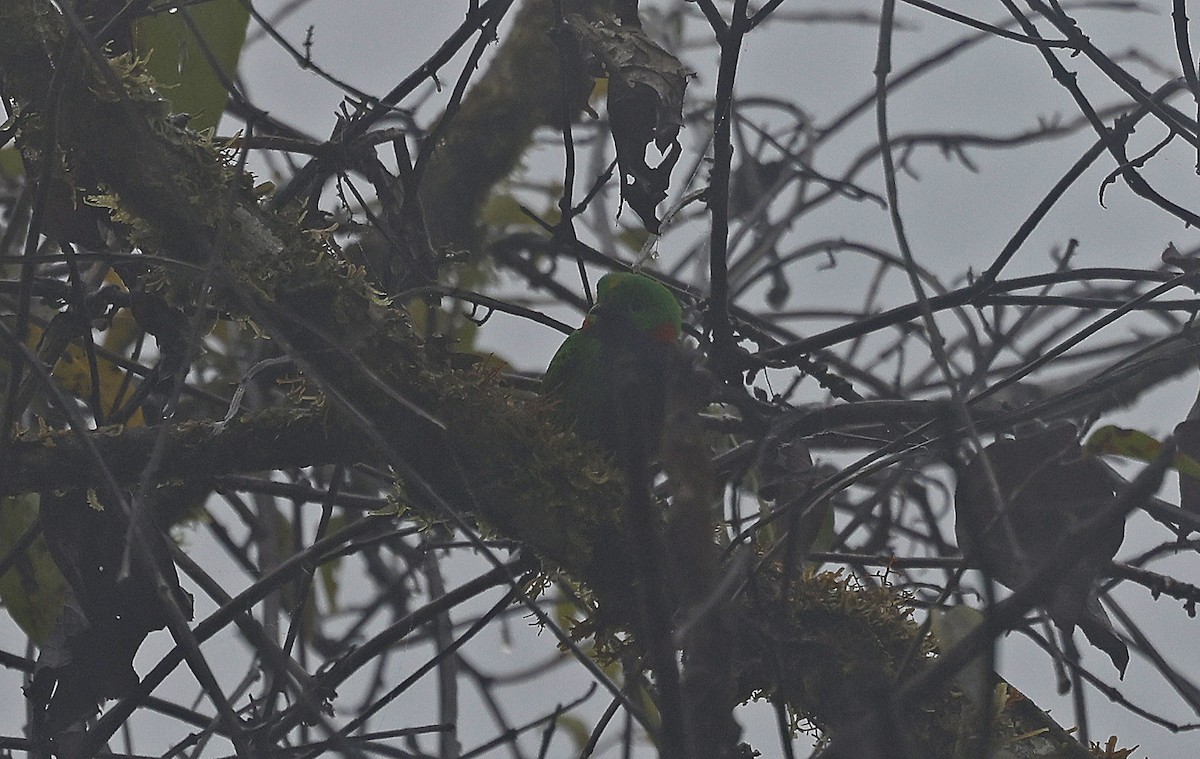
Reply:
x=815, y=632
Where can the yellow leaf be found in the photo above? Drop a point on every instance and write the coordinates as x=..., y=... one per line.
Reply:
x=1136, y=445
x=75, y=376
x=575, y=728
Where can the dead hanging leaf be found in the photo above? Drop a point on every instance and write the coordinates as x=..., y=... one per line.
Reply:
x=1047, y=488
x=109, y=613
x=752, y=181
x=645, y=106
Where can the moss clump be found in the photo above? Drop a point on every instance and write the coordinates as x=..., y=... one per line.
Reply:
x=826, y=645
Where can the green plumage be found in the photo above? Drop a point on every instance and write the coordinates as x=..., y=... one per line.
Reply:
x=610, y=374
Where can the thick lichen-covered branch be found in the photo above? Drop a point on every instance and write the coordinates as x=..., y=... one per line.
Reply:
x=522, y=90
x=270, y=439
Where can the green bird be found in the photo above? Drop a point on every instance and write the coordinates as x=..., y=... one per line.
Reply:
x=610, y=374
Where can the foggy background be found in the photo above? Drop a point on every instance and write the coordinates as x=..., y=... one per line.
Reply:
x=957, y=220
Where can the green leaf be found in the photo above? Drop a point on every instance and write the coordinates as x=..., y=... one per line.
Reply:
x=1136, y=445
x=11, y=165
x=327, y=572
x=177, y=59
x=33, y=590
x=949, y=627
x=575, y=727
x=633, y=238
x=504, y=210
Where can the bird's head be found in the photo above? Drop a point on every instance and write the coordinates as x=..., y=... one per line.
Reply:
x=634, y=303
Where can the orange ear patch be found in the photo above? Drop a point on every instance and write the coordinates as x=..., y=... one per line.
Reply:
x=664, y=333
